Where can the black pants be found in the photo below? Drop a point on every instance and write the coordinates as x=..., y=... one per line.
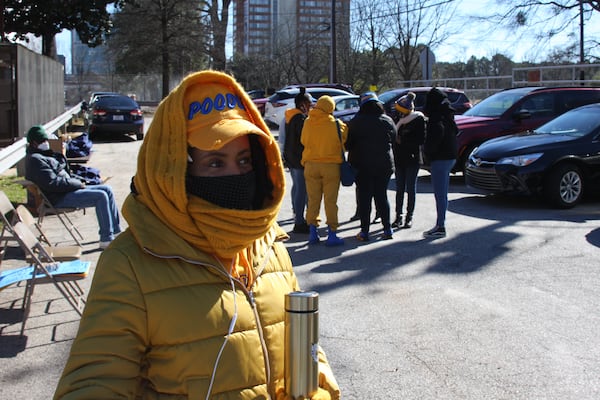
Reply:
x=373, y=187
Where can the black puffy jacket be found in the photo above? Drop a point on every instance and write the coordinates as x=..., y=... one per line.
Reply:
x=369, y=143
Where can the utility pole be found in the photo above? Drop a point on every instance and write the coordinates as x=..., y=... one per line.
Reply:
x=581, y=55
x=332, y=66
x=2, y=21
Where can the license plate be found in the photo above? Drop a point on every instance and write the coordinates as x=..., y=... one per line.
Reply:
x=118, y=118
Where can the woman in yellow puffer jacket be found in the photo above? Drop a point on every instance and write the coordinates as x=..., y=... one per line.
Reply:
x=323, y=137
x=188, y=302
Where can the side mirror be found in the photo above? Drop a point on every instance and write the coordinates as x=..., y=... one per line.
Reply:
x=522, y=114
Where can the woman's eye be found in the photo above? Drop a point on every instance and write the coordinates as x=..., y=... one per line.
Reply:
x=215, y=163
x=245, y=161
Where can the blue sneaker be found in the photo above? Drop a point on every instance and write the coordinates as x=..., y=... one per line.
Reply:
x=387, y=234
x=333, y=239
x=362, y=236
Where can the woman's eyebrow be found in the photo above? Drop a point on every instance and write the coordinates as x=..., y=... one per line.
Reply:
x=212, y=153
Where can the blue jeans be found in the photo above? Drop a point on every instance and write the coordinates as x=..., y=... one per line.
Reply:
x=440, y=180
x=406, y=182
x=298, y=195
x=102, y=198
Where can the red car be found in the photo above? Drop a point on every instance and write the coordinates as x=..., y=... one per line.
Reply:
x=259, y=99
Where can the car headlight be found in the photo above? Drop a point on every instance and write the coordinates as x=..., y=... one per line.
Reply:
x=520, y=161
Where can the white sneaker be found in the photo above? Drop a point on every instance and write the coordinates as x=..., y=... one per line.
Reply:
x=104, y=245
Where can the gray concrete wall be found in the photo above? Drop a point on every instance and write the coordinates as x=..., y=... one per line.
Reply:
x=40, y=89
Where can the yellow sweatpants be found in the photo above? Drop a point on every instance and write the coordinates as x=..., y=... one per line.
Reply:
x=322, y=182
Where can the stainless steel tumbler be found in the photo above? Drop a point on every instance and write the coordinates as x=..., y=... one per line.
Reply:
x=301, y=344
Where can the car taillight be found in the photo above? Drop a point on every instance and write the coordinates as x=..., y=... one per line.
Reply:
x=99, y=112
x=136, y=113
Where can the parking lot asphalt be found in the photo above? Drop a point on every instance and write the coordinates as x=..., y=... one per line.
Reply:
x=505, y=307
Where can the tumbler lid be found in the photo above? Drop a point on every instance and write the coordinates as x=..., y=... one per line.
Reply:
x=302, y=301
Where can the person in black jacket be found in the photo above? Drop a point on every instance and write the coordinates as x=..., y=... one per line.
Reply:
x=407, y=156
x=292, y=155
x=441, y=151
x=370, y=136
x=50, y=172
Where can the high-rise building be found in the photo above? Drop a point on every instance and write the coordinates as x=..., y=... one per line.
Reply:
x=88, y=60
x=274, y=27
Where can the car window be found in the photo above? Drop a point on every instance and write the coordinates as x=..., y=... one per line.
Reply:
x=576, y=123
x=495, y=105
x=390, y=96
x=420, y=99
x=281, y=96
x=316, y=93
x=453, y=96
x=540, y=105
x=115, y=101
x=346, y=104
x=571, y=99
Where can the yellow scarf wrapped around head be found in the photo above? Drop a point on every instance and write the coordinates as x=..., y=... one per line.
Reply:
x=207, y=110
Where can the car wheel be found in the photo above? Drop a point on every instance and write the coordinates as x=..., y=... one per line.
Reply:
x=564, y=186
x=461, y=165
x=139, y=136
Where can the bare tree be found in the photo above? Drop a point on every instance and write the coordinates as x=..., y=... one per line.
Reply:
x=416, y=25
x=370, y=29
x=158, y=36
x=548, y=18
x=217, y=13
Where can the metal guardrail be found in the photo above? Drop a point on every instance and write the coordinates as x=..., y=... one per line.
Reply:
x=11, y=155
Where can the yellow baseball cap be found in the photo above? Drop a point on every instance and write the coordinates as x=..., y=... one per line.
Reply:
x=216, y=114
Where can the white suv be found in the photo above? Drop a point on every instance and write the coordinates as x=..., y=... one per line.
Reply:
x=283, y=99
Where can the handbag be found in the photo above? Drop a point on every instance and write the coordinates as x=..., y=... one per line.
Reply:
x=347, y=171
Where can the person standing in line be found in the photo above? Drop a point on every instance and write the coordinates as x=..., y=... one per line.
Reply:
x=441, y=151
x=323, y=137
x=292, y=155
x=189, y=301
x=370, y=136
x=407, y=156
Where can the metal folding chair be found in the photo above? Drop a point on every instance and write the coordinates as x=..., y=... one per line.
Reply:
x=45, y=207
x=44, y=269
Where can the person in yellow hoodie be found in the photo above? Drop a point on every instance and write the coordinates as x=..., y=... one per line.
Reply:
x=323, y=138
x=188, y=302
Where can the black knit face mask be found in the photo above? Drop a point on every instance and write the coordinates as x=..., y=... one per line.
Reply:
x=232, y=191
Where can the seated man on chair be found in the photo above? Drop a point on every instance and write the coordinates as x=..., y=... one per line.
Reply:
x=50, y=172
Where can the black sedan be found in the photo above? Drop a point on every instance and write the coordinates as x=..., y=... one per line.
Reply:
x=116, y=114
x=556, y=161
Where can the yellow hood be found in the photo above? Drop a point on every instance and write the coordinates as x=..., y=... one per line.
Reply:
x=161, y=170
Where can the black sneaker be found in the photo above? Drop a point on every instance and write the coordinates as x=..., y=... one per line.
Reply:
x=301, y=228
x=355, y=217
x=397, y=224
x=435, y=232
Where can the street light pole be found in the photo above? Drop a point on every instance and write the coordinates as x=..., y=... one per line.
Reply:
x=581, y=56
x=332, y=66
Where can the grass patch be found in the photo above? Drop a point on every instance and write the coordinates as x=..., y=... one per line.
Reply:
x=15, y=192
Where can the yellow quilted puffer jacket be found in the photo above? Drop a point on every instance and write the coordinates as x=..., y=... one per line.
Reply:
x=148, y=348
x=165, y=319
